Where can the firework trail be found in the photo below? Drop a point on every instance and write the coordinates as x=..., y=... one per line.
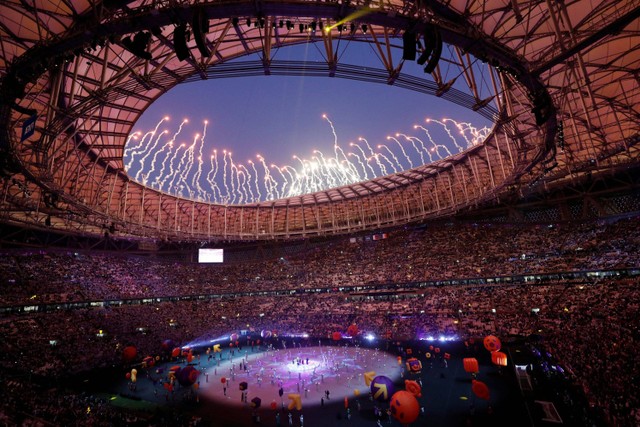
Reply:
x=393, y=156
x=269, y=182
x=188, y=166
x=292, y=175
x=255, y=179
x=284, y=181
x=448, y=133
x=235, y=184
x=173, y=170
x=392, y=164
x=435, y=146
x=133, y=151
x=170, y=164
x=242, y=179
x=336, y=147
x=155, y=157
x=404, y=153
x=195, y=182
x=248, y=182
x=412, y=139
x=224, y=175
x=477, y=135
x=362, y=165
x=181, y=171
x=388, y=161
x=211, y=177
x=366, y=143
x=422, y=146
x=151, y=150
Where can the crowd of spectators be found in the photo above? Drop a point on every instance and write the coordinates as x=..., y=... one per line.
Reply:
x=406, y=255
x=590, y=327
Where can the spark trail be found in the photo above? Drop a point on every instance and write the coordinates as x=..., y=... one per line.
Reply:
x=412, y=139
x=133, y=151
x=404, y=153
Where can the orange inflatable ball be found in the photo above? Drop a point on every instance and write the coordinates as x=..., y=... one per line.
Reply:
x=499, y=358
x=404, y=407
x=470, y=365
x=492, y=343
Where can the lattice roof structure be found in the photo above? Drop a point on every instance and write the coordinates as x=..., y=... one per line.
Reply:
x=564, y=78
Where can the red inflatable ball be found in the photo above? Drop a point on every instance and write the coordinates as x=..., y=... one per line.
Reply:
x=187, y=376
x=336, y=336
x=129, y=353
x=274, y=405
x=404, y=407
x=176, y=352
x=480, y=389
x=352, y=330
x=128, y=375
x=223, y=380
x=167, y=345
x=148, y=362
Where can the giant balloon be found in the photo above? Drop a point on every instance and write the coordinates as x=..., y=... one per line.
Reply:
x=414, y=365
x=176, y=352
x=148, y=362
x=381, y=388
x=167, y=345
x=187, y=376
x=480, y=389
x=404, y=407
x=129, y=353
x=413, y=388
x=352, y=330
x=499, y=358
x=492, y=343
x=471, y=365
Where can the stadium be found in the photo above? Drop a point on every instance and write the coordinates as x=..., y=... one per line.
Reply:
x=487, y=280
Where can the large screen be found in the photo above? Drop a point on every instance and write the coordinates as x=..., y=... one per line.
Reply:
x=210, y=255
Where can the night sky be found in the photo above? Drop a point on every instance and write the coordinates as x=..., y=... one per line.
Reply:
x=282, y=116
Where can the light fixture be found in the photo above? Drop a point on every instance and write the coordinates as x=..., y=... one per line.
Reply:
x=200, y=26
x=138, y=45
x=180, y=42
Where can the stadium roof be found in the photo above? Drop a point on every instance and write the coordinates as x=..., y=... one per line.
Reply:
x=564, y=77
